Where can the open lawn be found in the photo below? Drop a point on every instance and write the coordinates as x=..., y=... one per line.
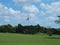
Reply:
x=25, y=39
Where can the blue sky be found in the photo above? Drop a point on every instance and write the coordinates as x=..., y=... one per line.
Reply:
x=43, y=12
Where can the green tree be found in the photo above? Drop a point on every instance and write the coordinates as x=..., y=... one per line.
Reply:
x=49, y=31
x=58, y=20
x=19, y=28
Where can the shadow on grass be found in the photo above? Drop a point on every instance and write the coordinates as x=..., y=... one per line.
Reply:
x=52, y=37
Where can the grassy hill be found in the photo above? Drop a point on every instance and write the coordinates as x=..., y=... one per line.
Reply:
x=25, y=39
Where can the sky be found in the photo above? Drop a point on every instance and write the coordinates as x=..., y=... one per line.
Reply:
x=42, y=12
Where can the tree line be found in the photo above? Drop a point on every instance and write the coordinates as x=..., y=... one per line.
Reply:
x=28, y=29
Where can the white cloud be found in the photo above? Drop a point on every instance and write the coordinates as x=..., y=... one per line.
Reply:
x=7, y=20
x=42, y=13
x=13, y=12
x=31, y=9
x=45, y=6
x=9, y=13
x=6, y=17
x=25, y=2
x=52, y=18
x=52, y=10
x=1, y=5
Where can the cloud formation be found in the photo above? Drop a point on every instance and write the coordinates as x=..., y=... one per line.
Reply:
x=25, y=2
x=52, y=10
x=11, y=15
x=8, y=13
x=38, y=14
x=31, y=9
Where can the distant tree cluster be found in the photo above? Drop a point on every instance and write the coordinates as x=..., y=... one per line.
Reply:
x=27, y=29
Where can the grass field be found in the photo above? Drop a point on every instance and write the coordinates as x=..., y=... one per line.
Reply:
x=24, y=39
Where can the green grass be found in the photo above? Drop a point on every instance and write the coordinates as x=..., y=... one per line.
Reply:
x=25, y=39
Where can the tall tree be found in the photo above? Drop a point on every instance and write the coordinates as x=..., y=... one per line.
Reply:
x=19, y=28
x=58, y=20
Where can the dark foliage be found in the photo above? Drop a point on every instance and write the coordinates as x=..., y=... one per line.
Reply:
x=28, y=29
